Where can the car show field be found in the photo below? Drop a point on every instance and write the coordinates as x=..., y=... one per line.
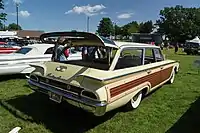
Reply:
x=172, y=108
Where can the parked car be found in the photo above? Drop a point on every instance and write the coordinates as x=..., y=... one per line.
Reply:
x=121, y=74
x=7, y=49
x=18, y=62
x=192, y=46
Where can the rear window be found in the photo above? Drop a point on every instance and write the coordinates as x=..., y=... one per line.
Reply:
x=23, y=50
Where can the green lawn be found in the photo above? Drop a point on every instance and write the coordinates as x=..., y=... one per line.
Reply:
x=172, y=108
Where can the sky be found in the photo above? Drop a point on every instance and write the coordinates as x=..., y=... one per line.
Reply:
x=67, y=15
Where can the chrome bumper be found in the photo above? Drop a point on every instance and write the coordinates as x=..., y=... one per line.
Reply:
x=96, y=107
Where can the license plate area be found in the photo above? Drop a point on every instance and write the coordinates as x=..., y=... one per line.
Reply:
x=55, y=97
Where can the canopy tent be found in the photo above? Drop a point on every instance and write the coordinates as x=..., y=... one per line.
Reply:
x=195, y=40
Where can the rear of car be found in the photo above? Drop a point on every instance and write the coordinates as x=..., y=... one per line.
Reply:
x=192, y=48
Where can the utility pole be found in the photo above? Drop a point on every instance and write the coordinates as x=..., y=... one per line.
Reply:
x=114, y=25
x=17, y=11
x=88, y=23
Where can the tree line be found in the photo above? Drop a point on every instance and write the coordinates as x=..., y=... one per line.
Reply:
x=107, y=28
x=3, y=15
x=177, y=23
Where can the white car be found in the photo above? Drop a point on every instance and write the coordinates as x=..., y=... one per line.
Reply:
x=18, y=62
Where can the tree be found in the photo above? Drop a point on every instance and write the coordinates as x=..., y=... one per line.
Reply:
x=105, y=27
x=146, y=27
x=129, y=28
x=2, y=14
x=124, y=30
x=14, y=26
x=117, y=30
x=73, y=30
x=133, y=27
x=179, y=23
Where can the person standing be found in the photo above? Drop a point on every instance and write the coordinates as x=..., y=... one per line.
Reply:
x=176, y=48
x=84, y=53
x=167, y=47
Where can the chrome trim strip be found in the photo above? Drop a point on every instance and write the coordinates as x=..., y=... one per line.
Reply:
x=103, y=80
x=58, y=88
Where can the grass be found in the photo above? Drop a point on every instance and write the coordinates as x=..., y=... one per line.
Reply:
x=173, y=108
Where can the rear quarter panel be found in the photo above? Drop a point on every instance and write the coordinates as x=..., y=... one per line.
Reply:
x=121, y=91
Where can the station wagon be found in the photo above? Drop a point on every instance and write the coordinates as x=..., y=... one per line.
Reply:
x=109, y=75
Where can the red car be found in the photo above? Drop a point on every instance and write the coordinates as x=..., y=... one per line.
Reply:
x=6, y=49
x=2, y=43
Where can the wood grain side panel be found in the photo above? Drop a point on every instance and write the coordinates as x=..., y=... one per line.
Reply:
x=166, y=73
x=154, y=79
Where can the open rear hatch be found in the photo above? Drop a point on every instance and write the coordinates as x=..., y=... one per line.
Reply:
x=79, y=39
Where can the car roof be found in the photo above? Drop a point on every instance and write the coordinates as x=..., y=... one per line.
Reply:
x=134, y=44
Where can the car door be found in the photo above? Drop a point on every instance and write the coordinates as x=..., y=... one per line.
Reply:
x=153, y=70
x=165, y=69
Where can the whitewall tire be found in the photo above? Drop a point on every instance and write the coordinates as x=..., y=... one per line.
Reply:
x=135, y=101
x=171, y=81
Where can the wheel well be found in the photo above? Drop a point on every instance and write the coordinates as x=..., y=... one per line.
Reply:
x=176, y=69
x=145, y=91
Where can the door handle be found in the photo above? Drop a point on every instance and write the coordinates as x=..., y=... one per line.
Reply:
x=148, y=71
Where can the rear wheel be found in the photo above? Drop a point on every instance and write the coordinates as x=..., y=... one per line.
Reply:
x=171, y=81
x=135, y=101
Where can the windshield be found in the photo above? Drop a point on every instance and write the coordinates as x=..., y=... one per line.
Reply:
x=23, y=50
x=93, y=57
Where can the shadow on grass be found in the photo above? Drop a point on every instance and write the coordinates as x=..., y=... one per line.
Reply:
x=59, y=118
x=189, y=122
x=13, y=76
x=182, y=54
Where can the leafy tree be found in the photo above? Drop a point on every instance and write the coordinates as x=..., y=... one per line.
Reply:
x=117, y=30
x=133, y=27
x=105, y=27
x=3, y=27
x=14, y=26
x=146, y=27
x=179, y=23
x=73, y=30
x=2, y=14
x=124, y=30
x=129, y=28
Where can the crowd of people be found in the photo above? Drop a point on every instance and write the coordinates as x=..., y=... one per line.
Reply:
x=168, y=46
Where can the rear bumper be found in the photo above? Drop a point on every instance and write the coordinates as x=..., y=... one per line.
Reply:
x=96, y=107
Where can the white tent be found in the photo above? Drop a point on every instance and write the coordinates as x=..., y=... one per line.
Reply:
x=9, y=34
x=195, y=40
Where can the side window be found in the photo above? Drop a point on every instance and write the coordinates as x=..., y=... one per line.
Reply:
x=129, y=58
x=49, y=50
x=149, y=56
x=158, y=55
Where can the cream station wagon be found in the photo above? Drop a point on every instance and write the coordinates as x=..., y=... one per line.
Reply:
x=109, y=75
